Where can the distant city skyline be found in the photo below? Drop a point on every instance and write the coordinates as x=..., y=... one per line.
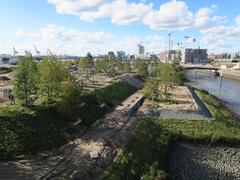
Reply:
x=79, y=26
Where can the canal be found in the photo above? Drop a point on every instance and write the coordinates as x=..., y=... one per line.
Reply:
x=229, y=91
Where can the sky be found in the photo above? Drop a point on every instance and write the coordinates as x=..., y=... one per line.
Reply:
x=75, y=27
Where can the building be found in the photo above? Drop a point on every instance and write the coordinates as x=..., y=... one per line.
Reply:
x=121, y=55
x=5, y=58
x=111, y=54
x=167, y=56
x=194, y=56
x=140, y=51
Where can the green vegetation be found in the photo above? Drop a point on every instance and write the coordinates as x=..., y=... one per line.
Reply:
x=144, y=156
x=52, y=74
x=142, y=68
x=162, y=79
x=25, y=83
x=5, y=70
x=25, y=130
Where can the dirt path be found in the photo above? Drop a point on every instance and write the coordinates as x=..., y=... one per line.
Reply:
x=73, y=160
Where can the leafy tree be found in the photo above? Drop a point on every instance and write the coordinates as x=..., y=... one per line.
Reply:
x=166, y=77
x=127, y=67
x=153, y=68
x=69, y=106
x=179, y=72
x=151, y=90
x=25, y=80
x=86, y=62
x=52, y=75
x=142, y=68
x=99, y=66
x=110, y=66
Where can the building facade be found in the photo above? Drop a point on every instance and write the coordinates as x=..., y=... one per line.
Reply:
x=194, y=56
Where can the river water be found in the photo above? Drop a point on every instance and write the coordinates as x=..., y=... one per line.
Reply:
x=229, y=91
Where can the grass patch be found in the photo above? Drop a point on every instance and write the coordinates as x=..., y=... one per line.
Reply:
x=144, y=156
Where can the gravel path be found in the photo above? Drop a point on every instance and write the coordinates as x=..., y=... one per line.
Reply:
x=203, y=162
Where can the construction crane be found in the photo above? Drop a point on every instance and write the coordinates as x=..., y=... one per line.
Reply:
x=37, y=52
x=169, y=44
x=14, y=55
x=14, y=52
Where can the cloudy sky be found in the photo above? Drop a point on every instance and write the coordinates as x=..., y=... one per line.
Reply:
x=77, y=26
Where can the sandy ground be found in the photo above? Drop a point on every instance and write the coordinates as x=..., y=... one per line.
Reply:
x=180, y=95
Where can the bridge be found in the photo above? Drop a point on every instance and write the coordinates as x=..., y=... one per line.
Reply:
x=200, y=66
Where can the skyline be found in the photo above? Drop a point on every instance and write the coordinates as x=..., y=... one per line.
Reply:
x=78, y=26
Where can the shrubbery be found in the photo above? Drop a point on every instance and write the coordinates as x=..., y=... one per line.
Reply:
x=144, y=156
x=31, y=130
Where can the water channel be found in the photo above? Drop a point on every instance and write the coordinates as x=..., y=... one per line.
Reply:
x=229, y=91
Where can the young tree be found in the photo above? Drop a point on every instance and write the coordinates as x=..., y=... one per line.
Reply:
x=110, y=66
x=25, y=80
x=86, y=62
x=166, y=77
x=151, y=90
x=179, y=72
x=142, y=68
x=127, y=67
x=52, y=75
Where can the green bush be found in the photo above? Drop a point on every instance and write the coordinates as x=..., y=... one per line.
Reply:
x=76, y=104
x=29, y=133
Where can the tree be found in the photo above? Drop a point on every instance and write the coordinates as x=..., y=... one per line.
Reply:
x=99, y=66
x=142, y=68
x=151, y=89
x=179, y=72
x=69, y=105
x=52, y=75
x=86, y=62
x=110, y=66
x=25, y=80
x=166, y=77
x=127, y=67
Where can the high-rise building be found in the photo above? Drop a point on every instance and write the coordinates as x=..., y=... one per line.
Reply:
x=121, y=55
x=140, y=49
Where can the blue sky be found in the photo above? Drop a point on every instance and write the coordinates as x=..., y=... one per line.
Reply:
x=78, y=26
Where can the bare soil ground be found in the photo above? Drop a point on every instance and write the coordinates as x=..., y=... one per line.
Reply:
x=181, y=97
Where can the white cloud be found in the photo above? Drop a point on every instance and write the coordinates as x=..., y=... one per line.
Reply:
x=75, y=7
x=171, y=15
x=222, y=37
x=120, y=11
x=204, y=18
x=237, y=20
x=54, y=32
x=62, y=40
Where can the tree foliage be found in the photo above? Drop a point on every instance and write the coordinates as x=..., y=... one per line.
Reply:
x=86, y=62
x=142, y=68
x=25, y=80
x=52, y=75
